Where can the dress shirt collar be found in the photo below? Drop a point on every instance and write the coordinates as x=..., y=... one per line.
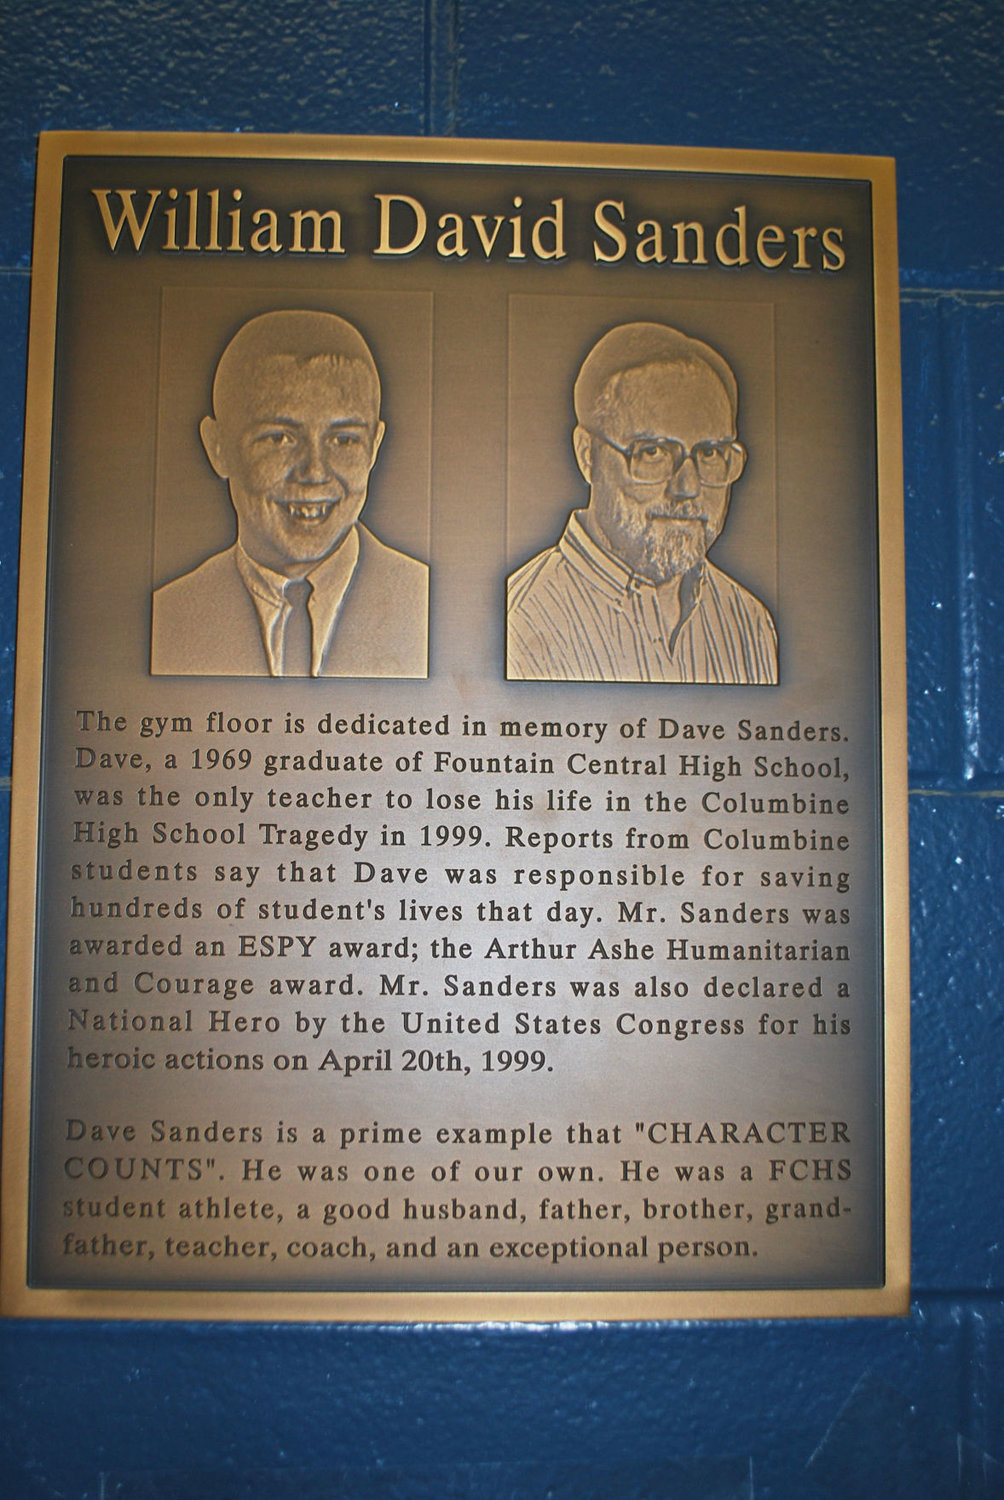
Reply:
x=329, y=579
x=664, y=607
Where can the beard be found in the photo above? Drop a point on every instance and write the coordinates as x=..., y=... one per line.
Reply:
x=663, y=540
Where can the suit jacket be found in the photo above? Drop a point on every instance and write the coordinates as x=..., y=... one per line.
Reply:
x=205, y=623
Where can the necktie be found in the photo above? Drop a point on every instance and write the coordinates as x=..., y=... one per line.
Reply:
x=297, y=638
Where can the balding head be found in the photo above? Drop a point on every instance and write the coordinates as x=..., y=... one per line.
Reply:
x=633, y=346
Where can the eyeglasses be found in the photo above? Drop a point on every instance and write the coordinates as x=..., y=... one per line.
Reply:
x=656, y=460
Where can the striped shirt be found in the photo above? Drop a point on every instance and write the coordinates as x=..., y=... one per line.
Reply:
x=577, y=614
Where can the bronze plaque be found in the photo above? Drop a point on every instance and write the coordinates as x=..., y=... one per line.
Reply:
x=458, y=861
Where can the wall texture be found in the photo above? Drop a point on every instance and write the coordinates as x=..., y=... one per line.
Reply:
x=912, y=1407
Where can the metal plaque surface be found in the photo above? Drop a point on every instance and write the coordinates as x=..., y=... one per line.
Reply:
x=458, y=854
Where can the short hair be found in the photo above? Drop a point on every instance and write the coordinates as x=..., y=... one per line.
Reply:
x=634, y=346
x=297, y=335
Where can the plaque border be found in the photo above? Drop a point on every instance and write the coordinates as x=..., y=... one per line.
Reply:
x=17, y=1298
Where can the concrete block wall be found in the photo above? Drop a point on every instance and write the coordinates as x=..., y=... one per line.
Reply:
x=862, y=1408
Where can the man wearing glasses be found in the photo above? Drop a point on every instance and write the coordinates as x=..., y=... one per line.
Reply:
x=306, y=590
x=628, y=593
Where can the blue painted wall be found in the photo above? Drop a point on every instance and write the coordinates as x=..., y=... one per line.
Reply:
x=913, y=1407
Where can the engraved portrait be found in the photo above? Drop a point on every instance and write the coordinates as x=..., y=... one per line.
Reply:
x=306, y=589
x=628, y=592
